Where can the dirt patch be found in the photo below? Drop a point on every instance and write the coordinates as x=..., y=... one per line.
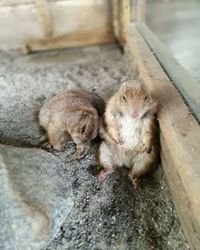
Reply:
x=111, y=215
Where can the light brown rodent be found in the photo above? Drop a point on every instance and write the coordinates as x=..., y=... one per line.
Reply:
x=129, y=132
x=72, y=114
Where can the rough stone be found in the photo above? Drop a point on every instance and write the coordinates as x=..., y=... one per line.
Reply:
x=35, y=197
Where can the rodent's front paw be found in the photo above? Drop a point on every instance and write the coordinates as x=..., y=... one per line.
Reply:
x=58, y=147
x=118, y=141
x=146, y=148
x=79, y=150
x=103, y=174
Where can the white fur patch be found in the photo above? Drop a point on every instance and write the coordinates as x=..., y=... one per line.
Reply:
x=131, y=131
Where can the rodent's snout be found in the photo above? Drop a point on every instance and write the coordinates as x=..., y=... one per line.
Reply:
x=135, y=114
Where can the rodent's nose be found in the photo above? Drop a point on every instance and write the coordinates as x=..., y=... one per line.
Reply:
x=135, y=114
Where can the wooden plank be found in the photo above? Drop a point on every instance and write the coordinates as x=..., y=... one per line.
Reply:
x=121, y=11
x=115, y=18
x=44, y=17
x=78, y=39
x=189, y=87
x=14, y=2
x=181, y=136
x=18, y=2
x=181, y=201
x=67, y=17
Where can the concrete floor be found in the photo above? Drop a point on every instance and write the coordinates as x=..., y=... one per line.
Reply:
x=111, y=215
x=177, y=24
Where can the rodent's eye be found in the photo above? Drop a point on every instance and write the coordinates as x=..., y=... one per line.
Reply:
x=146, y=98
x=83, y=129
x=124, y=98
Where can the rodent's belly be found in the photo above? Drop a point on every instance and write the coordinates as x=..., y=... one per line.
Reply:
x=130, y=134
x=123, y=156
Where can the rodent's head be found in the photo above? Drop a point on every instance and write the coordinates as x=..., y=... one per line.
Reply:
x=86, y=129
x=132, y=98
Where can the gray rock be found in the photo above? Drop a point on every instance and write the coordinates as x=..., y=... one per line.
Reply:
x=35, y=197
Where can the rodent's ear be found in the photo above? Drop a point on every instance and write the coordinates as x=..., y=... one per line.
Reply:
x=85, y=114
x=131, y=83
x=126, y=85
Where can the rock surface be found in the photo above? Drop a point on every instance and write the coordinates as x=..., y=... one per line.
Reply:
x=111, y=215
x=35, y=197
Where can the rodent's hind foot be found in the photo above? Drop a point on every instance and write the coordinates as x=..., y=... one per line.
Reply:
x=47, y=146
x=80, y=149
x=58, y=147
x=103, y=174
x=134, y=181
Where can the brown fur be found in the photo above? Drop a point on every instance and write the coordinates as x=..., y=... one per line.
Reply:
x=129, y=131
x=72, y=114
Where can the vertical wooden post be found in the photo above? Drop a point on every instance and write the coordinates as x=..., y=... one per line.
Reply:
x=121, y=18
x=44, y=17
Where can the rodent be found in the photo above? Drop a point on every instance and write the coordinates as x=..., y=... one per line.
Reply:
x=129, y=132
x=72, y=114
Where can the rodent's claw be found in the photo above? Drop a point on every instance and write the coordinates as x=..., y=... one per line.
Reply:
x=146, y=148
x=149, y=149
x=47, y=146
x=135, y=182
x=79, y=150
x=102, y=175
x=120, y=142
x=58, y=148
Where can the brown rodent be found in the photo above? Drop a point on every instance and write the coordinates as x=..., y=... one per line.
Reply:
x=72, y=114
x=129, y=132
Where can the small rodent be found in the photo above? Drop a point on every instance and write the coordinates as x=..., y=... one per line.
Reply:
x=129, y=131
x=72, y=114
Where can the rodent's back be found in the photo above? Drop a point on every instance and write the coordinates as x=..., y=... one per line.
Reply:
x=72, y=100
x=94, y=99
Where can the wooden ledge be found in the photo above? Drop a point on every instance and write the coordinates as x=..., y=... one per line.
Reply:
x=180, y=137
x=75, y=39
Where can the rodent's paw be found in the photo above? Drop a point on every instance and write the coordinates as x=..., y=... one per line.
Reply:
x=134, y=181
x=47, y=146
x=58, y=147
x=118, y=141
x=146, y=148
x=79, y=150
x=103, y=174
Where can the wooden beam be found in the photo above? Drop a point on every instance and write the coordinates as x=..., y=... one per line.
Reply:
x=44, y=17
x=78, y=39
x=179, y=196
x=121, y=11
x=180, y=137
x=14, y=2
